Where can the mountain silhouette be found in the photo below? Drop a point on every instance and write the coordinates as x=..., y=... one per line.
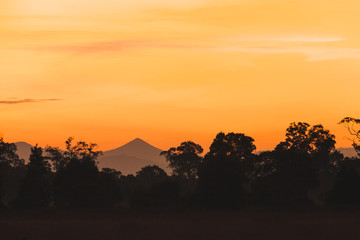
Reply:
x=132, y=156
x=348, y=152
x=128, y=158
x=23, y=150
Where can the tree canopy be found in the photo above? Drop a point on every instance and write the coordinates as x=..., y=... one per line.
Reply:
x=185, y=159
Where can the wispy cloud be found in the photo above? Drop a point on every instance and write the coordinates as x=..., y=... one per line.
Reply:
x=27, y=100
x=312, y=53
x=109, y=46
x=274, y=45
x=288, y=38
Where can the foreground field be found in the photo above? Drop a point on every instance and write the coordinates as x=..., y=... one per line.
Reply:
x=173, y=226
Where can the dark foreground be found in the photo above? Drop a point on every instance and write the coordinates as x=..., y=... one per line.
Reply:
x=172, y=226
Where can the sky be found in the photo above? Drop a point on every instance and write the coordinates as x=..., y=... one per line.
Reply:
x=169, y=71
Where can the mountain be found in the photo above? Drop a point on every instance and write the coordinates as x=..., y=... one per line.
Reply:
x=348, y=152
x=128, y=158
x=132, y=156
x=23, y=150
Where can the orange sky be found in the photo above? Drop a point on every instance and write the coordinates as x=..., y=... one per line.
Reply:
x=110, y=71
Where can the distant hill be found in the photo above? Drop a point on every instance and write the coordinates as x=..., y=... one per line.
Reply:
x=128, y=158
x=348, y=152
x=132, y=156
x=23, y=150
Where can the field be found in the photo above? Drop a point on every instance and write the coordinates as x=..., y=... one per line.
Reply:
x=174, y=226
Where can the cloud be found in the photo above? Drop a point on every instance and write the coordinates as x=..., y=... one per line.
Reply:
x=274, y=45
x=290, y=38
x=110, y=46
x=312, y=53
x=27, y=100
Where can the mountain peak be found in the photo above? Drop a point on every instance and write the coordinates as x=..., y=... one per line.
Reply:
x=22, y=143
x=136, y=146
x=137, y=140
x=23, y=150
x=132, y=156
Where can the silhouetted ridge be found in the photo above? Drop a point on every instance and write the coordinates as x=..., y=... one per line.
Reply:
x=135, y=145
x=23, y=150
x=348, y=152
x=133, y=155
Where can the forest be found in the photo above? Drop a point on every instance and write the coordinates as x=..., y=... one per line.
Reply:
x=304, y=170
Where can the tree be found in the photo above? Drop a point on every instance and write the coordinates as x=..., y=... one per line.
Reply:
x=56, y=157
x=8, y=156
x=35, y=190
x=112, y=172
x=151, y=174
x=227, y=169
x=185, y=160
x=234, y=145
x=153, y=188
x=353, y=126
x=303, y=139
x=110, y=185
x=76, y=183
x=307, y=152
x=346, y=189
x=12, y=170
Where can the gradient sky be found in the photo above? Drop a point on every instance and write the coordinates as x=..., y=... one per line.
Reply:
x=112, y=70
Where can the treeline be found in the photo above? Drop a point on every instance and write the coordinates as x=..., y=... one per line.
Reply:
x=303, y=170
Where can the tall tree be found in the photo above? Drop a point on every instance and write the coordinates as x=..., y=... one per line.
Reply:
x=12, y=170
x=8, y=156
x=226, y=170
x=185, y=160
x=35, y=190
x=353, y=126
x=306, y=152
x=76, y=182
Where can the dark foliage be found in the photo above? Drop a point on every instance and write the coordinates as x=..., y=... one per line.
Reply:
x=153, y=187
x=35, y=189
x=287, y=174
x=346, y=189
x=303, y=169
x=12, y=171
x=185, y=160
x=226, y=170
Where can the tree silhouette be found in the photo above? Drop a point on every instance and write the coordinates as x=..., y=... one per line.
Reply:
x=151, y=174
x=12, y=170
x=235, y=145
x=303, y=139
x=154, y=188
x=304, y=168
x=353, y=126
x=8, y=156
x=35, y=190
x=226, y=170
x=185, y=160
x=110, y=185
x=346, y=188
x=56, y=157
x=76, y=183
x=299, y=160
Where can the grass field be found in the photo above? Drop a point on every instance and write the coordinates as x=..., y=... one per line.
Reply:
x=174, y=226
